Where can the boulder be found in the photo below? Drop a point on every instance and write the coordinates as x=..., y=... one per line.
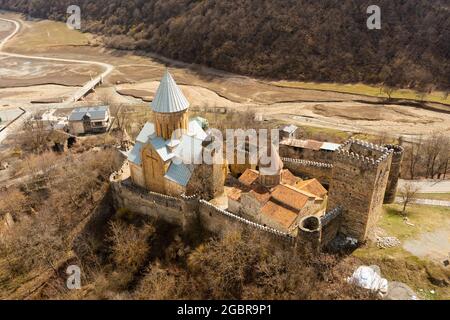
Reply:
x=400, y=291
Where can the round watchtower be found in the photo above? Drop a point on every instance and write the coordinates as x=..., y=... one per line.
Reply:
x=309, y=234
x=394, y=173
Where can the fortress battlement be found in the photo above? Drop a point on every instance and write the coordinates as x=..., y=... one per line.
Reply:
x=396, y=149
x=308, y=163
x=369, y=145
x=363, y=153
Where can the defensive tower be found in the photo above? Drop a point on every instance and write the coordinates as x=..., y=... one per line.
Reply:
x=360, y=176
x=394, y=174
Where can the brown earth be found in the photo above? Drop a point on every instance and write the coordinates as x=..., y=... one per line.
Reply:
x=17, y=72
x=136, y=78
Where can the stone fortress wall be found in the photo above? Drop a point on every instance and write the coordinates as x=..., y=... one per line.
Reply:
x=359, y=177
x=187, y=211
x=394, y=174
x=322, y=171
x=320, y=164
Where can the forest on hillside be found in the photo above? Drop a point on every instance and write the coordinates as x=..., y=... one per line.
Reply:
x=306, y=40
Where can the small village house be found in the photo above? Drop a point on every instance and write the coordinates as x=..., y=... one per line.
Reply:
x=89, y=120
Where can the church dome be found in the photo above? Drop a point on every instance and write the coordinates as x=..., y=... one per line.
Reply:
x=168, y=97
x=275, y=166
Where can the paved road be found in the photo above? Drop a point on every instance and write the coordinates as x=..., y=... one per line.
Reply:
x=429, y=186
x=428, y=202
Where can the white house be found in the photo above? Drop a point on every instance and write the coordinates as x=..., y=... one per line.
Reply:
x=89, y=120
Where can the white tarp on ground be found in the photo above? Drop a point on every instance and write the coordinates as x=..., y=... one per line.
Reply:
x=368, y=278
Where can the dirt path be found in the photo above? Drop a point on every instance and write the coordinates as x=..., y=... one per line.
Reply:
x=81, y=91
x=73, y=97
x=428, y=186
x=433, y=245
x=135, y=77
x=428, y=202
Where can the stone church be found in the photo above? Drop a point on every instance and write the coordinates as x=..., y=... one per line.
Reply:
x=167, y=155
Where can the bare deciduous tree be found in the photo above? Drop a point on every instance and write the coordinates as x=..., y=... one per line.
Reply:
x=436, y=152
x=388, y=90
x=408, y=193
x=36, y=136
x=414, y=154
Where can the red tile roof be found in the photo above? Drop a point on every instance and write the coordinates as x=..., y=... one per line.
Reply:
x=288, y=178
x=305, y=144
x=234, y=194
x=289, y=196
x=312, y=186
x=249, y=177
x=261, y=194
x=279, y=214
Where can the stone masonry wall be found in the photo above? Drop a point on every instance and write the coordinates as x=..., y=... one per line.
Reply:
x=126, y=195
x=288, y=151
x=184, y=211
x=394, y=173
x=219, y=221
x=310, y=169
x=358, y=186
x=331, y=224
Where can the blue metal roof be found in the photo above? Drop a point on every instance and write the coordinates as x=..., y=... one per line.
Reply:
x=94, y=113
x=290, y=129
x=135, y=154
x=147, y=132
x=180, y=173
x=330, y=146
x=160, y=146
x=168, y=97
x=195, y=129
x=202, y=121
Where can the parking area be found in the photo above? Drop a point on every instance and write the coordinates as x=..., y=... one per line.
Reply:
x=8, y=115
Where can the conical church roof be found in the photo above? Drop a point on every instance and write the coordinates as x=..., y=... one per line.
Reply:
x=169, y=98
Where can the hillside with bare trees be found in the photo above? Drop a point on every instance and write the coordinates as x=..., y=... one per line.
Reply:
x=291, y=39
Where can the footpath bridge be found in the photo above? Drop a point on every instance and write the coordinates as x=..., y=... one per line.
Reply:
x=74, y=97
x=77, y=95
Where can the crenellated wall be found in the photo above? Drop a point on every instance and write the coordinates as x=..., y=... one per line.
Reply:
x=290, y=151
x=219, y=221
x=358, y=179
x=310, y=169
x=186, y=211
x=181, y=211
x=360, y=175
x=126, y=195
